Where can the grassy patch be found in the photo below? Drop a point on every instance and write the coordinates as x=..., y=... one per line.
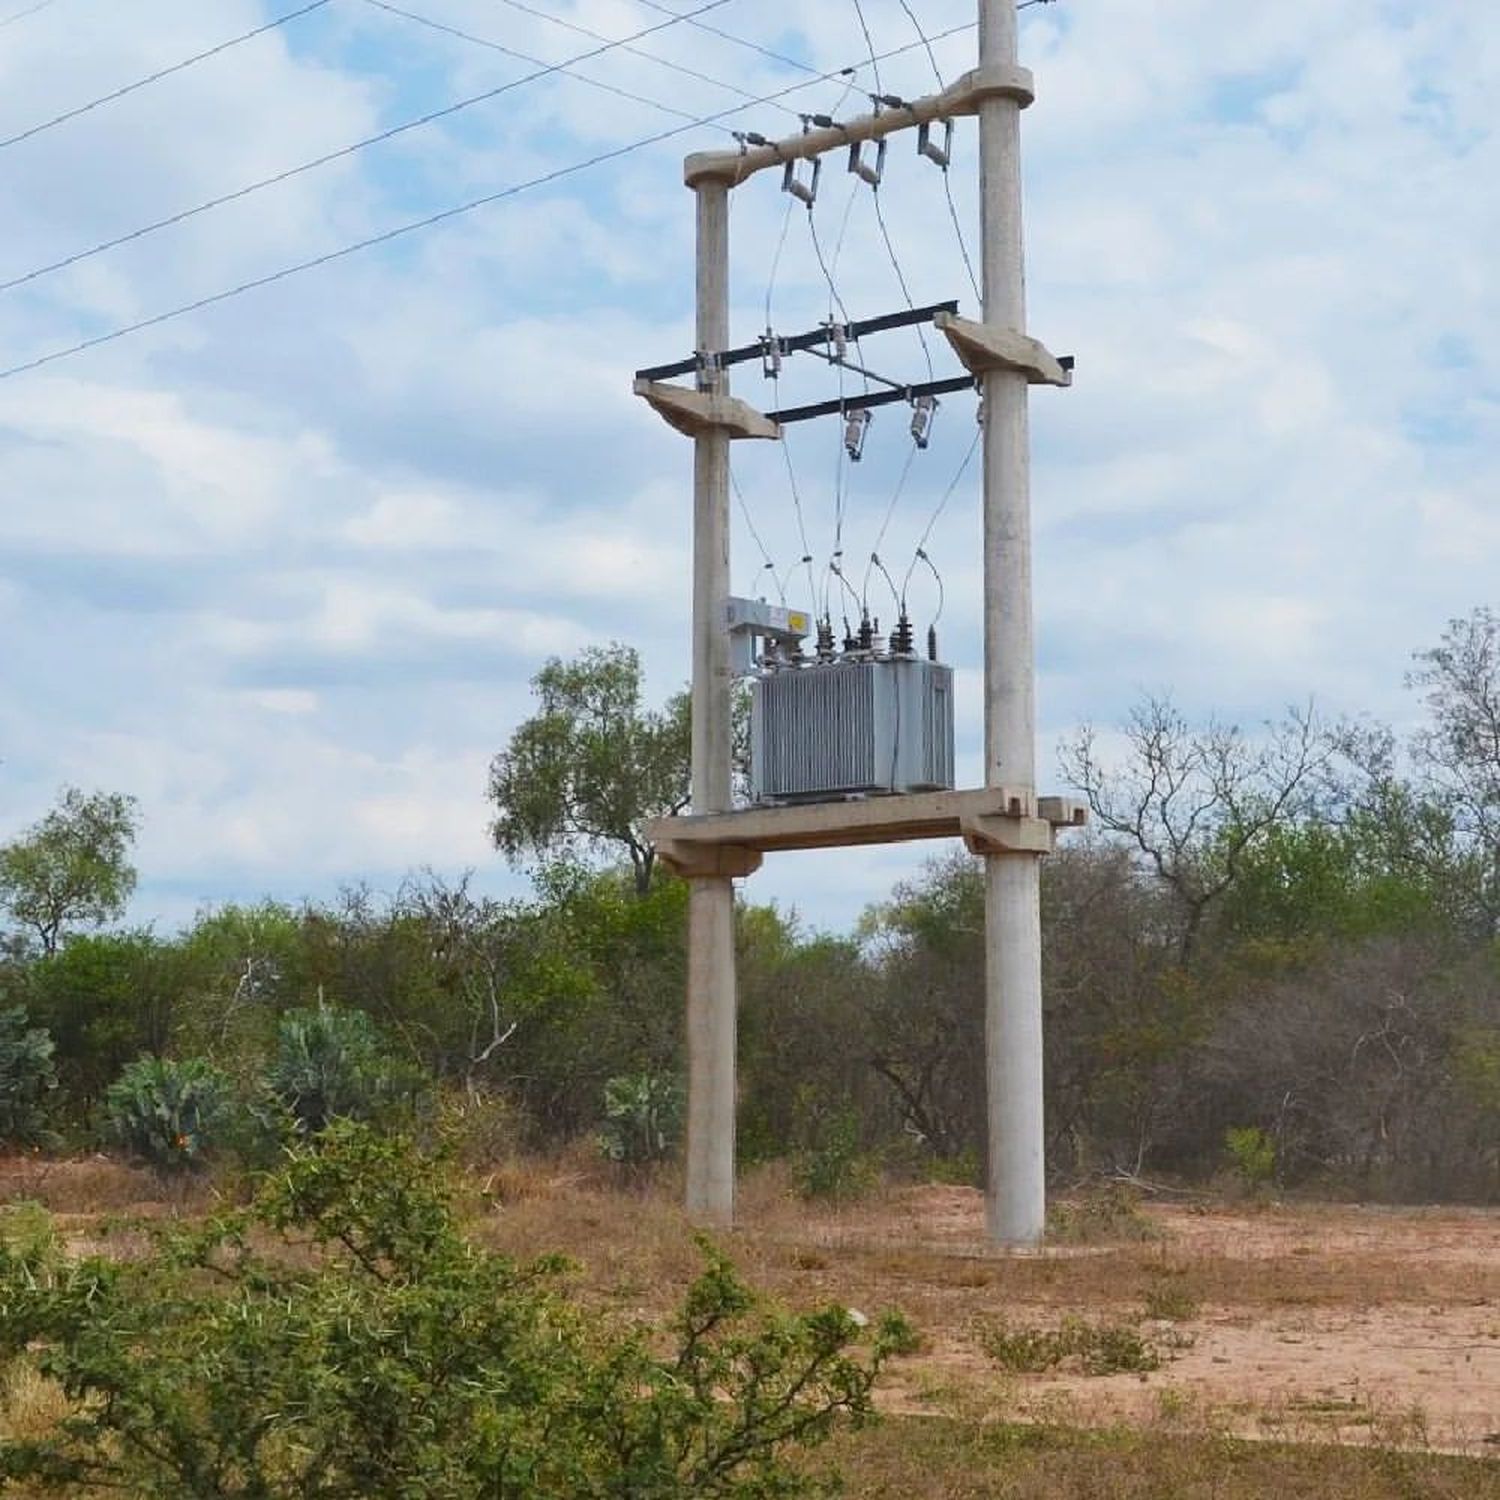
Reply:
x=1109, y=1215
x=1093, y=1348
x=934, y=1458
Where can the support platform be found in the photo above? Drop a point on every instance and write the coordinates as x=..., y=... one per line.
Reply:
x=994, y=820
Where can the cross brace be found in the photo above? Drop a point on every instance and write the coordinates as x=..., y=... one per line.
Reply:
x=800, y=341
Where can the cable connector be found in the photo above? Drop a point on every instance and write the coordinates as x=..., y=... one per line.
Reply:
x=804, y=192
x=866, y=171
x=929, y=148
x=856, y=425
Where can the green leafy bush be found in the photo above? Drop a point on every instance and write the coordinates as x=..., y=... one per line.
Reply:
x=642, y=1118
x=835, y=1168
x=1095, y=1348
x=1253, y=1153
x=27, y=1076
x=332, y=1064
x=170, y=1113
x=373, y=1351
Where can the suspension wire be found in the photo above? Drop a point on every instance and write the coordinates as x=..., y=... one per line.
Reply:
x=562, y=67
x=786, y=224
x=958, y=228
x=21, y=15
x=890, y=250
x=739, y=41
x=543, y=70
x=664, y=62
x=859, y=11
x=812, y=586
x=150, y=78
x=942, y=592
x=428, y=221
x=890, y=511
x=767, y=565
x=919, y=555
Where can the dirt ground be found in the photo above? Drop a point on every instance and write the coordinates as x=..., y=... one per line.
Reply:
x=1307, y=1322
x=1300, y=1322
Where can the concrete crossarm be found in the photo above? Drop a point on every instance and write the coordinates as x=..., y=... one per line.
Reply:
x=962, y=97
x=1000, y=819
x=982, y=348
x=695, y=413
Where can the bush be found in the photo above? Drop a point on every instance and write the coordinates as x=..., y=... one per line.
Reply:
x=27, y=1076
x=642, y=1118
x=331, y=1065
x=1253, y=1153
x=379, y=1354
x=835, y=1168
x=170, y=1114
x=1096, y=1348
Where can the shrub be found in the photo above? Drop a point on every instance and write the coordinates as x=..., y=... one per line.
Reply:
x=171, y=1114
x=1104, y=1215
x=331, y=1064
x=1253, y=1153
x=379, y=1354
x=642, y=1118
x=27, y=1076
x=835, y=1168
x=1096, y=1348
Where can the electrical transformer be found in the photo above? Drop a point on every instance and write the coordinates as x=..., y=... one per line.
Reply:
x=859, y=725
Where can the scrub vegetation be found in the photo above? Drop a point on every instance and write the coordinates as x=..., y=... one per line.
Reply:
x=1271, y=975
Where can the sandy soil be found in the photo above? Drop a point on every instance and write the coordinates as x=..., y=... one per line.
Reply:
x=1314, y=1322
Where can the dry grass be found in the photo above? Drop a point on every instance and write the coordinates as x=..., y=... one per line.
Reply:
x=941, y=1459
x=1350, y=1343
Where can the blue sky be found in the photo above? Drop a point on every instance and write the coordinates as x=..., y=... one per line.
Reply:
x=283, y=568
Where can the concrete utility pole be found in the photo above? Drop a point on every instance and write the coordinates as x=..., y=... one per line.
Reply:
x=1006, y=821
x=1015, y=1203
x=711, y=980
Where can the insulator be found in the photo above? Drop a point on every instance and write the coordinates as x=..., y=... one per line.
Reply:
x=804, y=192
x=838, y=336
x=870, y=172
x=856, y=425
x=929, y=148
x=866, y=634
x=877, y=641
x=902, y=642
x=825, y=650
x=770, y=355
x=932, y=643
x=923, y=410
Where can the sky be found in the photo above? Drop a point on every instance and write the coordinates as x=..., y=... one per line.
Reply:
x=283, y=567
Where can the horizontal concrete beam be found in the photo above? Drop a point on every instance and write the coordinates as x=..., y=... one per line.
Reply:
x=1003, y=817
x=962, y=97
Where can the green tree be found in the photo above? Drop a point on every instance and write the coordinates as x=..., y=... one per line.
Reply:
x=375, y=1353
x=71, y=868
x=585, y=772
x=27, y=1075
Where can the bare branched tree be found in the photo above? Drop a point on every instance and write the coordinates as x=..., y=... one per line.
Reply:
x=1191, y=801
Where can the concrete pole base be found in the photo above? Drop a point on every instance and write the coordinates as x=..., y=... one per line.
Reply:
x=1016, y=1192
x=711, y=1052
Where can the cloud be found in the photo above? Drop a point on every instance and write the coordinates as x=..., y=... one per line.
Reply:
x=285, y=567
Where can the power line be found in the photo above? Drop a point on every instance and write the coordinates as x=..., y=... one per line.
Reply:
x=958, y=228
x=177, y=67
x=21, y=15
x=544, y=70
x=663, y=62
x=739, y=41
x=859, y=11
x=526, y=57
x=412, y=226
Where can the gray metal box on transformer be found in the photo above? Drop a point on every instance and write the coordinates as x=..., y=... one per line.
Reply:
x=851, y=727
